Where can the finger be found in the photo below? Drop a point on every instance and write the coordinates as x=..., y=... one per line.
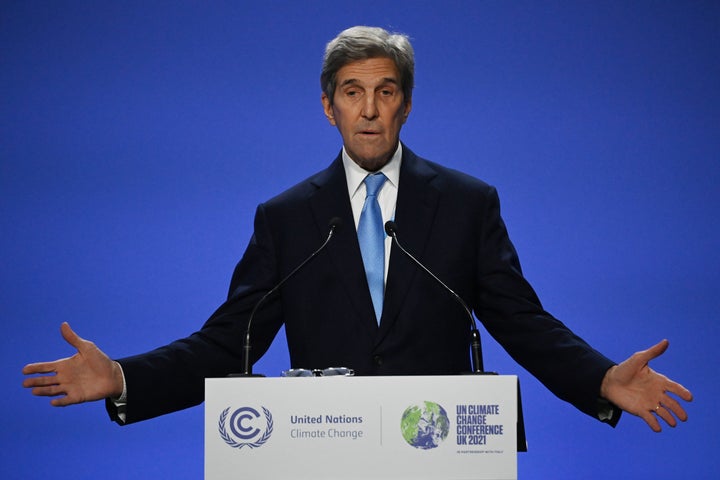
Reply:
x=651, y=420
x=63, y=396
x=33, y=382
x=654, y=351
x=63, y=401
x=70, y=336
x=674, y=407
x=41, y=367
x=665, y=414
x=48, y=391
x=679, y=390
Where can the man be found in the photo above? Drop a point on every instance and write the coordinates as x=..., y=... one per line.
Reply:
x=361, y=303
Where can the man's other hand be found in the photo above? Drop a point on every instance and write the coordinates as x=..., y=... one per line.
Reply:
x=86, y=376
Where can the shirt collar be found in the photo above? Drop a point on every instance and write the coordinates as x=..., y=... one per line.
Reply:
x=354, y=174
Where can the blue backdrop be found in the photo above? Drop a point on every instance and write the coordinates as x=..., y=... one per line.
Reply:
x=137, y=138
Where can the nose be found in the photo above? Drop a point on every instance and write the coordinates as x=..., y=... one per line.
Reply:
x=369, y=110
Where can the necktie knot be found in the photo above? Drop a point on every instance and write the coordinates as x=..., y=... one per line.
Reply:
x=373, y=183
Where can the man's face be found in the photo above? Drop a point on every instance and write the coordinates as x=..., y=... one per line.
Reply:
x=369, y=109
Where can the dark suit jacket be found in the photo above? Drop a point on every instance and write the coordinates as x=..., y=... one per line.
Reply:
x=450, y=221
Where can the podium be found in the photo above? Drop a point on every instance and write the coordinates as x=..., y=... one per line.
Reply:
x=408, y=427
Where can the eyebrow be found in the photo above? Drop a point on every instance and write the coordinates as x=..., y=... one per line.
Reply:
x=354, y=81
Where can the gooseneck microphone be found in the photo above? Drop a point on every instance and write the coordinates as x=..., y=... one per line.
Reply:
x=475, y=347
x=334, y=224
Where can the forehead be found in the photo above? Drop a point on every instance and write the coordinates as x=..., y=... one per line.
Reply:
x=368, y=71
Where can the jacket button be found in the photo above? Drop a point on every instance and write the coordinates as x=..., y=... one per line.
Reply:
x=377, y=359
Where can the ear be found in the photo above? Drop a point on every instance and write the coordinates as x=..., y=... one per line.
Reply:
x=408, y=108
x=328, y=109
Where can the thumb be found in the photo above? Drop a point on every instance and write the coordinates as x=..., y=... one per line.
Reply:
x=70, y=336
x=654, y=351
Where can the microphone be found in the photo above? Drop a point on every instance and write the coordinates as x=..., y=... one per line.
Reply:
x=475, y=347
x=334, y=224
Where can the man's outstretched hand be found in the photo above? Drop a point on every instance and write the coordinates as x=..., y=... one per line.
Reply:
x=86, y=376
x=638, y=389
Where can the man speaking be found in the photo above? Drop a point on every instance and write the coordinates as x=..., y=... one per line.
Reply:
x=361, y=302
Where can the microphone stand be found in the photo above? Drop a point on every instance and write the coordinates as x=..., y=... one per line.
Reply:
x=476, y=362
x=334, y=224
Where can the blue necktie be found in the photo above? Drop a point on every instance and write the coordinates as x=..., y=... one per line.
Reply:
x=371, y=236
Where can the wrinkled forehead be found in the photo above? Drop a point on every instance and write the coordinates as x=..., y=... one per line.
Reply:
x=371, y=71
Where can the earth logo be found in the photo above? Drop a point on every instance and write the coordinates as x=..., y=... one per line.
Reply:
x=425, y=426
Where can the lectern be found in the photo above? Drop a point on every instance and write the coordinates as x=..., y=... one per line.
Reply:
x=405, y=427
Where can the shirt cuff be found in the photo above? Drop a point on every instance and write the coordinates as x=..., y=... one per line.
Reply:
x=120, y=402
x=608, y=412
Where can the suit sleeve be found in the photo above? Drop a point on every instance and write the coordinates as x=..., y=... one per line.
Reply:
x=512, y=313
x=172, y=377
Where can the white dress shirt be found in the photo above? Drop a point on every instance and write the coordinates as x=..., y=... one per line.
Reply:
x=387, y=197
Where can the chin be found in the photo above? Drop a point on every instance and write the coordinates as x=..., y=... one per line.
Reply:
x=374, y=163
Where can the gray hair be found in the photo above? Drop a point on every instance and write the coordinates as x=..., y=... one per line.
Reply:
x=361, y=43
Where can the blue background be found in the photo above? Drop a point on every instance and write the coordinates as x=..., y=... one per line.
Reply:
x=137, y=138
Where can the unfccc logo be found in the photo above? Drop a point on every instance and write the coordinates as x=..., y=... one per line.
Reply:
x=245, y=423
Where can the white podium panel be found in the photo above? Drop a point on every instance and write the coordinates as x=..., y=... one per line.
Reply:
x=434, y=427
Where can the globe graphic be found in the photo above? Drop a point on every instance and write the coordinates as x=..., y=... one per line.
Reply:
x=425, y=426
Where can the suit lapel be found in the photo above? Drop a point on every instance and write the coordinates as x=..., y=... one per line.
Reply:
x=329, y=200
x=414, y=215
